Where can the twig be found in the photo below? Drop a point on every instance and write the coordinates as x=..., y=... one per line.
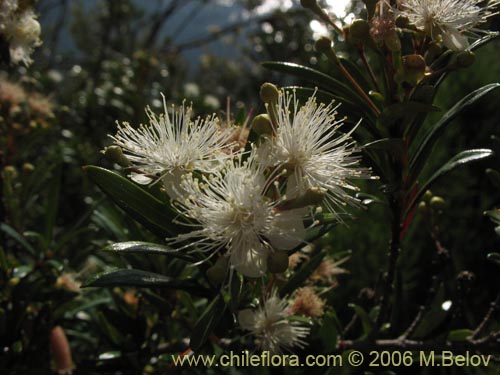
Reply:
x=482, y=326
x=368, y=67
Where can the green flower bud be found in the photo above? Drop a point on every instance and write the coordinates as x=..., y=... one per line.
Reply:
x=277, y=262
x=115, y=155
x=427, y=196
x=10, y=172
x=465, y=59
x=359, y=31
x=402, y=22
x=269, y=93
x=437, y=202
x=309, y=4
x=414, y=68
x=312, y=197
x=422, y=207
x=217, y=273
x=27, y=168
x=261, y=124
x=324, y=45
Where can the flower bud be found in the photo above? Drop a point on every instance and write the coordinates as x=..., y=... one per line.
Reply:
x=359, y=31
x=277, y=262
x=261, y=124
x=309, y=4
x=324, y=45
x=465, y=59
x=10, y=172
x=437, y=202
x=217, y=273
x=28, y=168
x=312, y=197
x=115, y=155
x=402, y=22
x=433, y=51
x=414, y=68
x=269, y=93
x=422, y=208
x=427, y=196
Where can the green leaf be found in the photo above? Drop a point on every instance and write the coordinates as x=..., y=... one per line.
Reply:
x=494, y=258
x=18, y=238
x=459, y=335
x=458, y=160
x=396, y=112
x=301, y=275
x=52, y=204
x=330, y=331
x=419, y=158
x=366, y=322
x=494, y=177
x=138, y=247
x=314, y=76
x=111, y=332
x=353, y=111
x=494, y=215
x=142, y=206
x=145, y=279
x=393, y=146
x=207, y=323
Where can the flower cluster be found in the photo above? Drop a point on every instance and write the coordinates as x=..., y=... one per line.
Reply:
x=452, y=20
x=246, y=205
x=20, y=29
x=272, y=325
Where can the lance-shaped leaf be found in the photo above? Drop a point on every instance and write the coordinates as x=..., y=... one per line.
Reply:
x=207, y=322
x=462, y=158
x=494, y=177
x=138, y=247
x=366, y=321
x=398, y=111
x=424, y=149
x=145, y=279
x=494, y=258
x=332, y=85
x=391, y=146
x=155, y=215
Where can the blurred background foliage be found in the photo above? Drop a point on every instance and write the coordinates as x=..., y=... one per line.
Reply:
x=103, y=61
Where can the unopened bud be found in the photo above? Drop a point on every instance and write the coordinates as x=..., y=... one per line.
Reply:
x=27, y=168
x=465, y=59
x=277, y=262
x=427, y=196
x=414, y=68
x=10, y=172
x=312, y=197
x=402, y=22
x=324, y=45
x=433, y=51
x=269, y=93
x=422, y=207
x=217, y=273
x=437, y=202
x=359, y=31
x=115, y=155
x=309, y=4
x=261, y=124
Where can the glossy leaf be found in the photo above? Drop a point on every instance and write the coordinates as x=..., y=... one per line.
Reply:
x=138, y=247
x=494, y=177
x=458, y=160
x=459, y=335
x=142, y=206
x=393, y=146
x=207, y=323
x=494, y=258
x=11, y=232
x=145, y=279
x=425, y=147
x=366, y=322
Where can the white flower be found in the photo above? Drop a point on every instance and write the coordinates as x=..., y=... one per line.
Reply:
x=20, y=29
x=173, y=145
x=271, y=326
x=234, y=213
x=308, y=143
x=452, y=19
